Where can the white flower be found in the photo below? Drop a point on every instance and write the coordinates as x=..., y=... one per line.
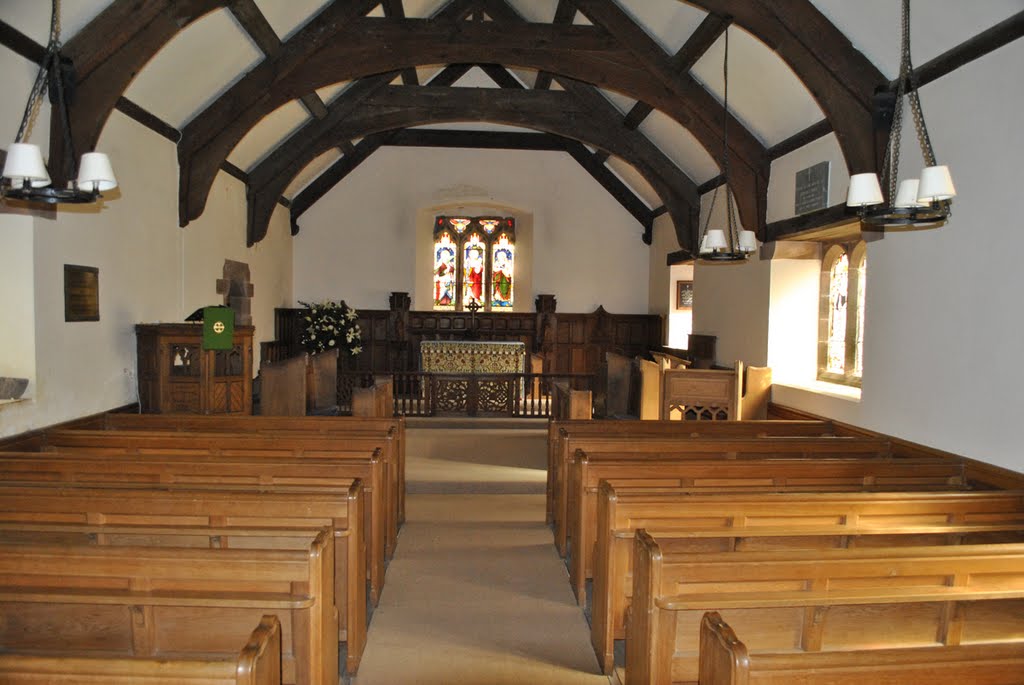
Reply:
x=356, y=350
x=331, y=343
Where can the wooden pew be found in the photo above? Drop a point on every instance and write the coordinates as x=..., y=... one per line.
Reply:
x=806, y=473
x=251, y=445
x=148, y=601
x=565, y=437
x=260, y=475
x=726, y=660
x=813, y=600
x=683, y=521
x=392, y=427
x=257, y=663
x=222, y=516
x=710, y=444
x=283, y=387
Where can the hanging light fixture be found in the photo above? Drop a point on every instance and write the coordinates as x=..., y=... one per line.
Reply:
x=25, y=176
x=730, y=244
x=923, y=202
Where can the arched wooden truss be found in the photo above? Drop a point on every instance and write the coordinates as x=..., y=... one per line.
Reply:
x=613, y=53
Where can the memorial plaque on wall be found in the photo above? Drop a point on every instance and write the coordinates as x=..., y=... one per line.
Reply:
x=81, y=293
x=812, y=188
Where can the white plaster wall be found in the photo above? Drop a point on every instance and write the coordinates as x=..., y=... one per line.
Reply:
x=17, y=321
x=659, y=281
x=943, y=318
x=149, y=270
x=730, y=300
x=358, y=243
x=680, y=321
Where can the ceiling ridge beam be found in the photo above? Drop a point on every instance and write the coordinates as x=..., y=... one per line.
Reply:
x=486, y=140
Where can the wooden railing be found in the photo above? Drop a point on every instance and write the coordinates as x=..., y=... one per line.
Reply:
x=514, y=395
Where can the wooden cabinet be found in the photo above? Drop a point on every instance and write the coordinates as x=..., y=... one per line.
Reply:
x=177, y=376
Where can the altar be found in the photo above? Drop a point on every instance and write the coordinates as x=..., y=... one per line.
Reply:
x=472, y=357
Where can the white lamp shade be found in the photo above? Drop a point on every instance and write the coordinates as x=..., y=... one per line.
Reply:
x=25, y=163
x=704, y=249
x=864, y=191
x=748, y=241
x=716, y=240
x=906, y=196
x=936, y=184
x=95, y=172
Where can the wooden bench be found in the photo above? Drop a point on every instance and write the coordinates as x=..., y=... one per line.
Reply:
x=703, y=447
x=684, y=521
x=725, y=660
x=261, y=474
x=565, y=437
x=149, y=601
x=814, y=600
x=257, y=663
x=801, y=474
x=249, y=445
x=392, y=428
x=221, y=517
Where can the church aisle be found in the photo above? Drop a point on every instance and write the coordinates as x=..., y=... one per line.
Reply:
x=476, y=593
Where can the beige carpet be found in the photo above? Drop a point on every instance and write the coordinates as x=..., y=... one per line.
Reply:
x=476, y=592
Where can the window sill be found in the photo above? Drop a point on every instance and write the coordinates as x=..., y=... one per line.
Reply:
x=836, y=390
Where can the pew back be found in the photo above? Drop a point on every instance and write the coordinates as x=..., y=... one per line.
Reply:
x=150, y=601
x=725, y=660
x=257, y=663
x=814, y=600
x=687, y=522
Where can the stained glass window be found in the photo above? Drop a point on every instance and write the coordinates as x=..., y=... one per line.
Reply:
x=444, y=271
x=474, y=269
x=503, y=261
x=474, y=262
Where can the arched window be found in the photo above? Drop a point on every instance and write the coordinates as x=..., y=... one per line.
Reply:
x=474, y=257
x=841, y=309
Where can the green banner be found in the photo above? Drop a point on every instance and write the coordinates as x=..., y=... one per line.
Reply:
x=218, y=328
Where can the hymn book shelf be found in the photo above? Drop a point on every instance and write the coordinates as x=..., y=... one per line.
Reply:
x=177, y=376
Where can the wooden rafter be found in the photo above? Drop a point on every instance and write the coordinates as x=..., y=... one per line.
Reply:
x=586, y=53
x=839, y=77
x=396, y=10
x=262, y=33
x=396, y=107
x=565, y=12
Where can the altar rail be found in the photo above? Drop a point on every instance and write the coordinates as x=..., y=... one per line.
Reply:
x=513, y=395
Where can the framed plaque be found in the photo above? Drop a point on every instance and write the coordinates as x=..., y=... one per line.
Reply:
x=81, y=293
x=684, y=294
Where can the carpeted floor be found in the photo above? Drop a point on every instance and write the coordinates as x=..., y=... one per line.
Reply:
x=476, y=593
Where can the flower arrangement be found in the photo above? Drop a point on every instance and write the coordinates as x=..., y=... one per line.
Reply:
x=331, y=325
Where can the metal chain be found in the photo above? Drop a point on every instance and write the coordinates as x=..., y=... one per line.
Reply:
x=730, y=208
x=49, y=61
x=907, y=86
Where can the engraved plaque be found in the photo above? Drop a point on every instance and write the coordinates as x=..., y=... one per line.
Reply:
x=81, y=293
x=812, y=188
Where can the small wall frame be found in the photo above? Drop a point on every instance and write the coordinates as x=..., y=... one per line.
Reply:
x=684, y=294
x=81, y=293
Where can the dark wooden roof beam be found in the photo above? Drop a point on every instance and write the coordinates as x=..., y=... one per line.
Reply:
x=564, y=14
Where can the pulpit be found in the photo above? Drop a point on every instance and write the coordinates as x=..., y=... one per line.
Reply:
x=177, y=376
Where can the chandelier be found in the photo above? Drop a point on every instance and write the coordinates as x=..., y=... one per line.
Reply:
x=730, y=244
x=923, y=202
x=25, y=176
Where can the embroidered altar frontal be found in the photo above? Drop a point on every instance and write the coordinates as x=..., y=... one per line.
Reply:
x=452, y=356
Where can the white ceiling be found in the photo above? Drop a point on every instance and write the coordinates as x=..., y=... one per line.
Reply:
x=204, y=59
